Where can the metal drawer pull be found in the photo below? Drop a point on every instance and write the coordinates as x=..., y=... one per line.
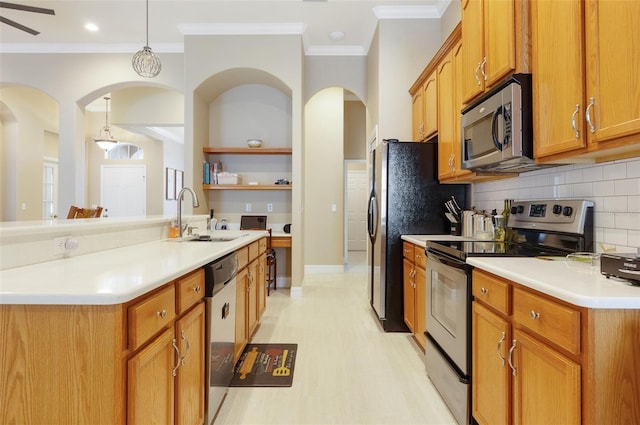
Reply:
x=162, y=313
x=484, y=291
x=588, y=115
x=197, y=289
x=573, y=121
x=184, y=338
x=475, y=74
x=484, y=61
x=534, y=315
x=175, y=347
x=504, y=335
x=513, y=368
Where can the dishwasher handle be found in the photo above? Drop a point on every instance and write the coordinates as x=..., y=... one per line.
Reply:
x=219, y=273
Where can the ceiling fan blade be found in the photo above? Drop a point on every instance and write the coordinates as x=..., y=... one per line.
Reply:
x=18, y=26
x=24, y=8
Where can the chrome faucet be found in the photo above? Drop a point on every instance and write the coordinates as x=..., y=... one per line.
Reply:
x=179, y=198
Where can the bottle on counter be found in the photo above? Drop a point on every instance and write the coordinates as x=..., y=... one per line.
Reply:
x=212, y=221
x=174, y=231
x=223, y=224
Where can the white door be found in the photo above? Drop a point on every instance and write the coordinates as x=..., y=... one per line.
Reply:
x=124, y=190
x=357, y=183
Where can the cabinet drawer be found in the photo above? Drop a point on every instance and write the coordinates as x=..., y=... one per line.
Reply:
x=253, y=251
x=420, y=257
x=190, y=290
x=491, y=291
x=243, y=257
x=408, y=250
x=150, y=315
x=554, y=321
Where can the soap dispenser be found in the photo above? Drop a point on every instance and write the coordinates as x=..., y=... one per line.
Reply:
x=212, y=221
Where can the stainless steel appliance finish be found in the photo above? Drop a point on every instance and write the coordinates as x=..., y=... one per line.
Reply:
x=542, y=227
x=220, y=304
x=405, y=198
x=497, y=129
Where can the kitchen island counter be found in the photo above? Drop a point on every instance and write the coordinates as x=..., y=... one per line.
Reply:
x=575, y=282
x=114, y=276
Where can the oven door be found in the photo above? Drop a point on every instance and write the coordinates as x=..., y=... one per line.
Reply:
x=448, y=304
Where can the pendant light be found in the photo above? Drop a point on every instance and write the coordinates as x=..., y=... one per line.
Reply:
x=105, y=140
x=145, y=62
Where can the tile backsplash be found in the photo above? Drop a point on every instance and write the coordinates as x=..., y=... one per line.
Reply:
x=614, y=187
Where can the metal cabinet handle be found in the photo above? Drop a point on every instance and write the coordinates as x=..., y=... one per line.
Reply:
x=573, y=121
x=186, y=341
x=484, y=291
x=475, y=74
x=175, y=347
x=162, y=314
x=484, y=62
x=534, y=315
x=513, y=368
x=587, y=114
x=197, y=289
x=504, y=335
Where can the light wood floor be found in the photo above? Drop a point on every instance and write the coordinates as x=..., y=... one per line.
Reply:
x=348, y=371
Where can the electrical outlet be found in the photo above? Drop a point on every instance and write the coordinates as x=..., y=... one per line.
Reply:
x=247, y=207
x=58, y=245
x=269, y=207
x=334, y=208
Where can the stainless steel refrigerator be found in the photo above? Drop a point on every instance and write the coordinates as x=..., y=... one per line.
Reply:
x=405, y=197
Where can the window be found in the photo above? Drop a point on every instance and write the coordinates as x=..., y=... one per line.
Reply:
x=126, y=151
x=49, y=189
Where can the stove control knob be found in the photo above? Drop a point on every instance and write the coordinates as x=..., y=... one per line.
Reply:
x=520, y=209
x=557, y=209
x=567, y=211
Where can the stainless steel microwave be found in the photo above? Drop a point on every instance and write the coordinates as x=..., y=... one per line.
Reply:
x=497, y=129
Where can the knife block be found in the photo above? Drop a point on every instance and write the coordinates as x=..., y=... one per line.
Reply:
x=456, y=229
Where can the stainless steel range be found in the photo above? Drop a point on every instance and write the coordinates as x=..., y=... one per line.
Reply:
x=541, y=227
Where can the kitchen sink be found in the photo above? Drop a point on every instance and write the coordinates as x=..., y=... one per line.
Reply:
x=206, y=238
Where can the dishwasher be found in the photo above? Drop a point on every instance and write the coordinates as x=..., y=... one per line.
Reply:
x=220, y=304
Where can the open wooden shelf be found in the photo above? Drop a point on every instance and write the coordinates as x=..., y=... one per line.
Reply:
x=246, y=186
x=247, y=151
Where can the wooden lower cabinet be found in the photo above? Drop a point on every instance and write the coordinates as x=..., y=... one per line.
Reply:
x=539, y=360
x=414, y=281
x=190, y=381
x=242, y=337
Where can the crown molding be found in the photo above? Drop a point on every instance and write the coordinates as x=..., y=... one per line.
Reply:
x=412, y=12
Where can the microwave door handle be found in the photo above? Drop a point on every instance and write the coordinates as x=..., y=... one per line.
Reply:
x=494, y=128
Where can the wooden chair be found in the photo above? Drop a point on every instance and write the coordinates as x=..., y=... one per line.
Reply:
x=77, y=212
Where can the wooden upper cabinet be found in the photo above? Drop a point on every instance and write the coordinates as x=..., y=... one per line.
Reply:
x=430, y=95
x=417, y=115
x=595, y=41
x=495, y=37
x=558, y=76
x=446, y=117
x=613, y=55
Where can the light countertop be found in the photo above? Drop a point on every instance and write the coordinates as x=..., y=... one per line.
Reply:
x=113, y=276
x=575, y=282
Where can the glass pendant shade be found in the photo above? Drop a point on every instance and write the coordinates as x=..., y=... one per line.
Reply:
x=104, y=139
x=146, y=63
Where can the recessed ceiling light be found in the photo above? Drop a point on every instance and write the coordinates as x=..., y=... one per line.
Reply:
x=91, y=27
x=336, y=35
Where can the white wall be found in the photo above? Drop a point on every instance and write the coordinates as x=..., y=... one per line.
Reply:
x=613, y=186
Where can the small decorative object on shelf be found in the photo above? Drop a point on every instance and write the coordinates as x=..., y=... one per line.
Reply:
x=282, y=181
x=254, y=143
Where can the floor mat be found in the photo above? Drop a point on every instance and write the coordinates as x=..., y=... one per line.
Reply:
x=265, y=365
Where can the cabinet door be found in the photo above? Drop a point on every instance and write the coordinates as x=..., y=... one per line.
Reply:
x=546, y=384
x=458, y=101
x=252, y=302
x=557, y=66
x=262, y=284
x=490, y=372
x=150, y=384
x=613, y=55
x=499, y=40
x=190, y=380
x=420, y=282
x=446, y=131
x=409, y=293
x=241, y=313
x=473, y=53
x=417, y=115
x=430, y=106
